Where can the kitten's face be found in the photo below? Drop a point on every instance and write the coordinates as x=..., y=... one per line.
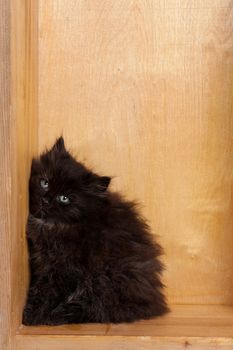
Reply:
x=61, y=189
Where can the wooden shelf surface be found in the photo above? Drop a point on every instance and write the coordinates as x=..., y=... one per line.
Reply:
x=184, y=321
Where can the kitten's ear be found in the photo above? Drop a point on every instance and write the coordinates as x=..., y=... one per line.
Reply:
x=102, y=183
x=97, y=184
x=35, y=166
x=59, y=145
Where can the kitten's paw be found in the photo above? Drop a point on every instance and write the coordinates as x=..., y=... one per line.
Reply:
x=60, y=309
x=62, y=314
x=30, y=319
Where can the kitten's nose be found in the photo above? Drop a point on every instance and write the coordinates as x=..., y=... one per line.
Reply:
x=45, y=200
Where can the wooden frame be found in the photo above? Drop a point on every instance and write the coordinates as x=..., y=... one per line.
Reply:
x=194, y=327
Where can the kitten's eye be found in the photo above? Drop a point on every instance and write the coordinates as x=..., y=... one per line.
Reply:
x=44, y=184
x=63, y=199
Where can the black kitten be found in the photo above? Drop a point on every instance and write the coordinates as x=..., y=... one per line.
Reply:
x=91, y=254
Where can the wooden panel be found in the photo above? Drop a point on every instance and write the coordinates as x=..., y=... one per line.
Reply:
x=187, y=326
x=184, y=321
x=5, y=176
x=142, y=90
x=23, y=140
x=195, y=327
x=135, y=94
x=118, y=342
x=17, y=106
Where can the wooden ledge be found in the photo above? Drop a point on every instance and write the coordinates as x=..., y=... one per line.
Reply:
x=183, y=320
x=192, y=326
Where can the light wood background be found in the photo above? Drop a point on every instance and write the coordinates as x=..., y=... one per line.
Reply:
x=5, y=178
x=18, y=142
x=143, y=91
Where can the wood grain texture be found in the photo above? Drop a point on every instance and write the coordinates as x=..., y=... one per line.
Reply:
x=16, y=133
x=23, y=140
x=183, y=321
x=187, y=326
x=142, y=90
x=5, y=177
x=28, y=342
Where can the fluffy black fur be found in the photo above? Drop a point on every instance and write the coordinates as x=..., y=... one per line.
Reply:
x=91, y=260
